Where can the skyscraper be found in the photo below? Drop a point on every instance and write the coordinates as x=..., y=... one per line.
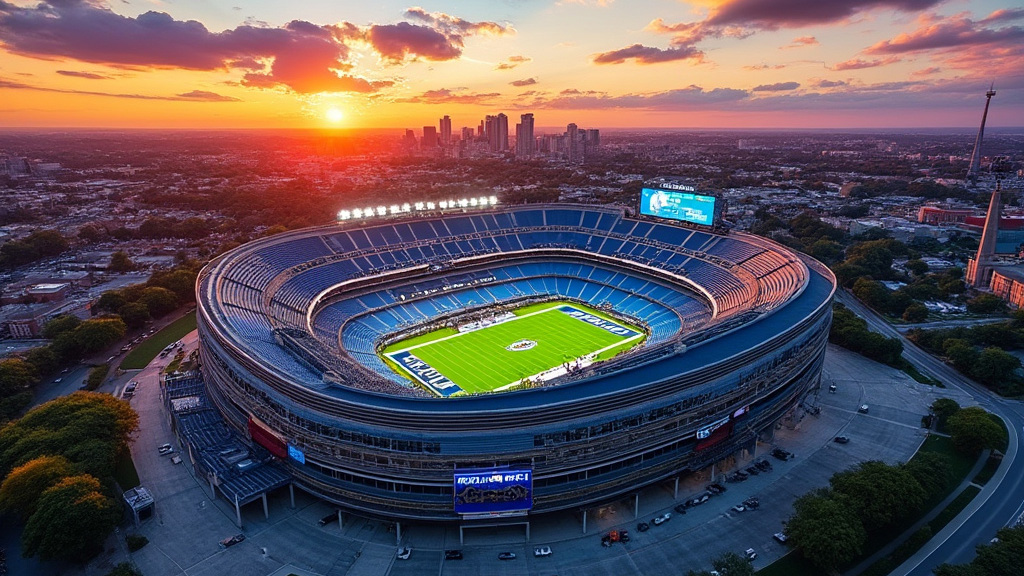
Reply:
x=524, y=137
x=573, y=143
x=972, y=171
x=502, y=136
x=446, y=130
x=429, y=137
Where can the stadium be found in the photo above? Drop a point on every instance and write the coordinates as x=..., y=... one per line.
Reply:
x=476, y=360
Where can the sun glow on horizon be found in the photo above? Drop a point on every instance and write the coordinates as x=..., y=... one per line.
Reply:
x=334, y=115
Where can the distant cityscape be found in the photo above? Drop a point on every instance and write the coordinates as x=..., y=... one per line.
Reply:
x=491, y=138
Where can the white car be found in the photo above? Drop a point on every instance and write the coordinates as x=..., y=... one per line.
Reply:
x=542, y=551
x=781, y=537
x=165, y=449
x=662, y=519
x=738, y=508
x=404, y=553
x=751, y=555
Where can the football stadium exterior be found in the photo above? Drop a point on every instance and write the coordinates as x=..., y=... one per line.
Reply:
x=291, y=327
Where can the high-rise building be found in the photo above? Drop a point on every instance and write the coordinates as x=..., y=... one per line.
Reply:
x=573, y=143
x=446, y=130
x=429, y=137
x=524, y=137
x=467, y=133
x=972, y=171
x=502, y=128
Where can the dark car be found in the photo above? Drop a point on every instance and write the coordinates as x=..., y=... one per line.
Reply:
x=229, y=542
x=623, y=536
x=328, y=519
x=753, y=471
x=763, y=465
x=643, y=527
x=752, y=503
x=841, y=439
x=453, y=554
x=507, y=556
x=742, y=474
x=782, y=454
x=717, y=486
x=681, y=508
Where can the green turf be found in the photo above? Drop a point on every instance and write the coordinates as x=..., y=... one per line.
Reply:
x=144, y=353
x=478, y=361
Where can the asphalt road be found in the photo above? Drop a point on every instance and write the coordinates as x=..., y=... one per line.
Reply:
x=1001, y=501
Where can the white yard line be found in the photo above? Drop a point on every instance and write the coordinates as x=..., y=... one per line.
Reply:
x=415, y=346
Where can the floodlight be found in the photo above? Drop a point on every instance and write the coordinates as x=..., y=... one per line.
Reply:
x=418, y=205
x=483, y=201
x=430, y=205
x=472, y=201
x=494, y=200
x=367, y=212
x=463, y=203
x=357, y=213
x=382, y=210
x=444, y=204
x=394, y=209
x=405, y=207
x=344, y=215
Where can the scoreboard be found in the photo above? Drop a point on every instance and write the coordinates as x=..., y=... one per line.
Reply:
x=682, y=204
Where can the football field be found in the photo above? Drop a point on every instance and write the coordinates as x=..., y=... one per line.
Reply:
x=540, y=342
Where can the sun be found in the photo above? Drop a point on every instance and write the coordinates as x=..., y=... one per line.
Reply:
x=333, y=115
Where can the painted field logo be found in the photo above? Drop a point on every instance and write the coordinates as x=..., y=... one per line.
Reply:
x=520, y=346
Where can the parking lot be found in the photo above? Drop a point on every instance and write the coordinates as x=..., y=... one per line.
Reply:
x=188, y=523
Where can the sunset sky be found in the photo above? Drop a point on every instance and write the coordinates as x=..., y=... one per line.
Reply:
x=599, y=63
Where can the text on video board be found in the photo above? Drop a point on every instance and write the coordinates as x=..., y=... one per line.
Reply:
x=493, y=491
x=676, y=205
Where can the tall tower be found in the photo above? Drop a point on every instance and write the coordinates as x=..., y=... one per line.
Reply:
x=572, y=142
x=524, y=136
x=972, y=171
x=979, y=268
x=501, y=124
x=446, y=130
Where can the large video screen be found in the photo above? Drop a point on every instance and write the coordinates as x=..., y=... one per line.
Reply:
x=486, y=491
x=678, y=205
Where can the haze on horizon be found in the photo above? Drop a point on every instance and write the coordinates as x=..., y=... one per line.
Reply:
x=733, y=64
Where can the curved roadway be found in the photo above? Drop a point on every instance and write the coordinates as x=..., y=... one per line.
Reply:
x=1001, y=501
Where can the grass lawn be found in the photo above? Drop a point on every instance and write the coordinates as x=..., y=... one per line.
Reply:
x=144, y=353
x=539, y=338
x=954, y=508
x=124, y=472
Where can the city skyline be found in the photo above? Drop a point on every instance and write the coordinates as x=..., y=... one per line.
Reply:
x=699, y=64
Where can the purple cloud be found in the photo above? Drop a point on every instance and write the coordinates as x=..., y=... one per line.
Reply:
x=193, y=96
x=859, y=64
x=86, y=75
x=796, y=13
x=649, y=55
x=936, y=33
x=524, y=82
x=777, y=87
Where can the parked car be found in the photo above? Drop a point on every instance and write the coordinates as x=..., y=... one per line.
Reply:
x=681, y=508
x=165, y=449
x=752, y=503
x=738, y=508
x=662, y=519
x=751, y=555
x=863, y=409
x=623, y=536
x=643, y=527
x=403, y=553
x=782, y=454
x=453, y=554
x=780, y=537
x=231, y=541
x=333, y=517
x=507, y=556
x=841, y=439
x=763, y=465
x=753, y=471
x=542, y=551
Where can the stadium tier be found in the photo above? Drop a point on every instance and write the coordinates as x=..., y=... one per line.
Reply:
x=294, y=328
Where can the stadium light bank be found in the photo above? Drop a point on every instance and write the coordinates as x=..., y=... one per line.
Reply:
x=407, y=208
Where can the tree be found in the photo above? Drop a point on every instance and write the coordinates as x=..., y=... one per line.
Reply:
x=916, y=312
x=16, y=378
x=120, y=262
x=43, y=359
x=917, y=267
x=882, y=495
x=943, y=408
x=60, y=325
x=20, y=491
x=985, y=304
x=732, y=564
x=87, y=429
x=134, y=314
x=1000, y=558
x=90, y=233
x=159, y=301
x=826, y=530
x=95, y=335
x=961, y=353
x=973, y=430
x=995, y=366
x=111, y=301
x=71, y=521
x=931, y=470
x=872, y=293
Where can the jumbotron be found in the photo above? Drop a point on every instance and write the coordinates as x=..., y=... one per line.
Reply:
x=466, y=362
